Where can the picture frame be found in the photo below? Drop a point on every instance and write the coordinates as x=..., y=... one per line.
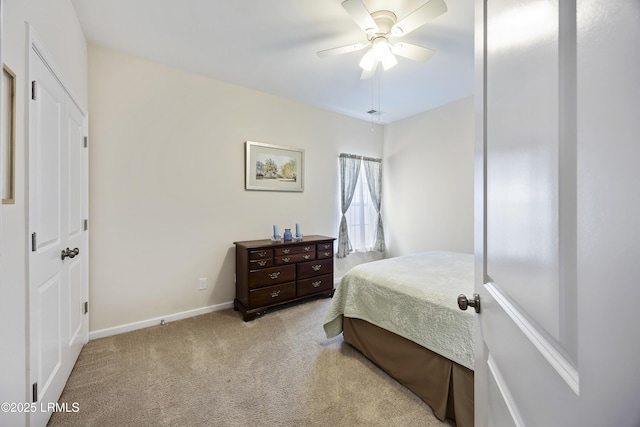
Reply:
x=7, y=141
x=271, y=167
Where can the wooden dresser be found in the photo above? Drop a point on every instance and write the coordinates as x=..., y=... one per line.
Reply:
x=269, y=274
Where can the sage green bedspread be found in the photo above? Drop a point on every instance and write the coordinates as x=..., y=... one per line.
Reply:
x=414, y=296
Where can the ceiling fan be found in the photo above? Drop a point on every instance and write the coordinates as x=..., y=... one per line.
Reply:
x=382, y=25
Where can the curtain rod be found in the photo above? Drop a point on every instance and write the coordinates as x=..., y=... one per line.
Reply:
x=355, y=156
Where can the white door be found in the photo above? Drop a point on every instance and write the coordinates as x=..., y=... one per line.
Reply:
x=75, y=269
x=557, y=213
x=58, y=323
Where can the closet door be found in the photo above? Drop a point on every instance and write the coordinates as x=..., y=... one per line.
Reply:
x=57, y=264
x=75, y=269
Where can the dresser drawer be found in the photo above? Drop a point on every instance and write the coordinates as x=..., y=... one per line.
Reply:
x=292, y=259
x=324, y=253
x=308, y=248
x=271, y=276
x=289, y=250
x=315, y=284
x=315, y=268
x=272, y=294
x=260, y=263
x=325, y=247
x=261, y=254
x=307, y=256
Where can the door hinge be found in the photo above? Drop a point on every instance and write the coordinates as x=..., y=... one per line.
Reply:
x=85, y=224
x=86, y=141
x=86, y=307
x=34, y=88
x=33, y=242
x=34, y=390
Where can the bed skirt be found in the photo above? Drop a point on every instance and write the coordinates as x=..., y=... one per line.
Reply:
x=445, y=386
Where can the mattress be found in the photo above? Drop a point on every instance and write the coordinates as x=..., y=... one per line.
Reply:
x=413, y=296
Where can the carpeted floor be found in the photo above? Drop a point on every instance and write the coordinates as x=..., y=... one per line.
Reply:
x=216, y=370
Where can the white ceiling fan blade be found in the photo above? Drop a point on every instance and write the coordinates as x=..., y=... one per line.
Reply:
x=411, y=51
x=419, y=17
x=341, y=50
x=359, y=13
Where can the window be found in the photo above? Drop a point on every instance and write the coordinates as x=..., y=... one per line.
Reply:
x=360, y=198
x=361, y=217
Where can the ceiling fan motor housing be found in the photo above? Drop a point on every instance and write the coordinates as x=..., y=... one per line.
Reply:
x=385, y=20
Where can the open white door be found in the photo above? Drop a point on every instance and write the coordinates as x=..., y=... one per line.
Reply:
x=557, y=213
x=58, y=324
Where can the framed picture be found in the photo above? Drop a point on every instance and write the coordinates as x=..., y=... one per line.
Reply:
x=8, y=134
x=273, y=167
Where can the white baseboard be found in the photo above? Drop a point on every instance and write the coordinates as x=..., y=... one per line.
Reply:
x=107, y=332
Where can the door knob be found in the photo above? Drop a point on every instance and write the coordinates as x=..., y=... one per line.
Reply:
x=71, y=253
x=463, y=302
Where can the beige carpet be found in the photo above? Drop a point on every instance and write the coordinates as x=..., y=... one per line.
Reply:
x=216, y=370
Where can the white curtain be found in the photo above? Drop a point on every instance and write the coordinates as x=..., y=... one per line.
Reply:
x=373, y=171
x=349, y=171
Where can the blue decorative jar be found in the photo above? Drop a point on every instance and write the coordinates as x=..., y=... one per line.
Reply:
x=287, y=235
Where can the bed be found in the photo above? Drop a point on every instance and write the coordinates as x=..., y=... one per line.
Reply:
x=402, y=314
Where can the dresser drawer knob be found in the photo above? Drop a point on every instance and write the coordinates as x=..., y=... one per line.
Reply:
x=307, y=256
x=307, y=248
x=287, y=259
x=274, y=276
x=286, y=251
x=262, y=263
x=327, y=254
x=327, y=246
x=316, y=267
x=274, y=294
x=316, y=284
x=262, y=254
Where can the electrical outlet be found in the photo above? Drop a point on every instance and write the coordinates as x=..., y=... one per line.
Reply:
x=202, y=283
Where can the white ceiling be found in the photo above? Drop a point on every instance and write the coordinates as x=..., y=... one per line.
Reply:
x=271, y=46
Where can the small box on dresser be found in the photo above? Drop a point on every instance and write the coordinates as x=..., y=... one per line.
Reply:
x=269, y=274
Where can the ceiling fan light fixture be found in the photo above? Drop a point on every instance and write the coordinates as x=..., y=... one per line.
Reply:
x=381, y=47
x=382, y=51
x=389, y=61
x=368, y=61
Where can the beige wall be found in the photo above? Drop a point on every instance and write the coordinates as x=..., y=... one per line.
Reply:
x=428, y=184
x=167, y=196
x=56, y=26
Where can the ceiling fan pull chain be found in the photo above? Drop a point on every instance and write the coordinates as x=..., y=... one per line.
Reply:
x=372, y=110
x=379, y=85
